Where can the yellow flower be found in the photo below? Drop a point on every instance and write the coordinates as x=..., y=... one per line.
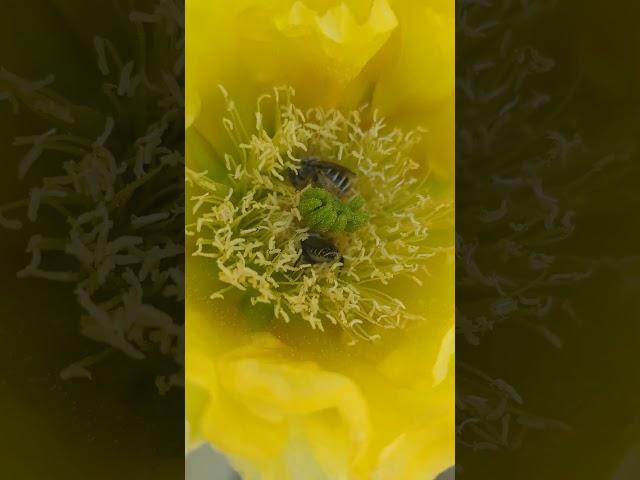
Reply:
x=340, y=371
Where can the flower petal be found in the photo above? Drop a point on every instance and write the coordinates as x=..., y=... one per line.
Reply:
x=421, y=74
x=336, y=40
x=417, y=455
x=276, y=416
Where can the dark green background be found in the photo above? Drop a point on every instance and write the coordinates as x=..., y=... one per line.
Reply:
x=592, y=382
x=116, y=426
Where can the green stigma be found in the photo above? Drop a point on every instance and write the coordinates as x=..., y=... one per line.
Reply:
x=322, y=211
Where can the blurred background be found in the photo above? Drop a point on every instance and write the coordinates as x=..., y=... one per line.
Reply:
x=117, y=424
x=547, y=177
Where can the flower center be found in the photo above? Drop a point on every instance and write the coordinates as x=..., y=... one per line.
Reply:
x=255, y=220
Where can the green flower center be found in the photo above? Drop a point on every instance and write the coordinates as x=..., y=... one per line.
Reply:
x=323, y=212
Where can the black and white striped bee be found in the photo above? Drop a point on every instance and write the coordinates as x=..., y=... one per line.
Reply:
x=317, y=249
x=328, y=175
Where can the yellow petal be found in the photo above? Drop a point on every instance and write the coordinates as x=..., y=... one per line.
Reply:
x=335, y=40
x=192, y=106
x=253, y=45
x=271, y=413
x=447, y=349
x=421, y=73
x=418, y=455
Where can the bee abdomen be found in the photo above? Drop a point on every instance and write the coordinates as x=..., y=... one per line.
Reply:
x=324, y=174
x=325, y=253
x=316, y=250
x=344, y=184
x=339, y=179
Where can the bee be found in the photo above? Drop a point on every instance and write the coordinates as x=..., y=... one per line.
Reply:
x=318, y=249
x=328, y=175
